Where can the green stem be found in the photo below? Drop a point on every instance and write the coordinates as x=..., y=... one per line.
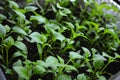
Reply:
x=64, y=66
x=2, y=54
x=2, y=49
x=37, y=3
x=105, y=66
x=7, y=62
x=9, y=33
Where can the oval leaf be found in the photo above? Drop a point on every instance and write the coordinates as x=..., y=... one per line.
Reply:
x=64, y=77
x=98, y=61
x=22, y=72
x=30, y=8
x=82, y=77
x=58, y=36
x=20, y=14
x=19, y=30
x=2, y=30
x=69, y=68
x=75, y=55
x=39, y=18
x=87, y=52
x=9, y=41
x=37, y=37
x=51, y=61
x=38, y=69
x=21, y=46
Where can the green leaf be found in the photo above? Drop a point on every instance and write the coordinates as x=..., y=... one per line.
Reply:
x=38, y=38
x=29, y=1
x=102, y=78
x=20, y=14
x=38, y=69
x=22, y=72
x=82, y=77
x=18, y=54
x=21, y=46
x=28, y=65
x=106, y=55
x=70, y=25
x=93, y=51
x=13, y=4
x=2, y=30
x=64, y=12
x=19, y=30
x=18, y=63
x=2, y=17
x=51, y=61
x=52, y=26
x=43, y=38
x=9, y=41
x=69, y=68
x=58, y=36
x=7, y=28
x=58, y=6
x=60, y=60
x=30, y=8
x=39, y=18
x=98, y=57
x=75, y=55
x=19, y=38
x=94, y=24
x=98, y=61
x=64, y=2
x=42, y=63
x=105, y=6
x=117, y=55
x=8, y=71
x=64, y=77
x=110, y=31
x=87, y=52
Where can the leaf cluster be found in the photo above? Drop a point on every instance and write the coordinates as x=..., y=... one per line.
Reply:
x=57, y=39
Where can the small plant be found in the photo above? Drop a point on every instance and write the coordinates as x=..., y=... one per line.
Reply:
x=57, y=40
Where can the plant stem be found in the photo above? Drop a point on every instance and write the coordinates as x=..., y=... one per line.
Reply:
x=105, y=66
x=7, y=56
